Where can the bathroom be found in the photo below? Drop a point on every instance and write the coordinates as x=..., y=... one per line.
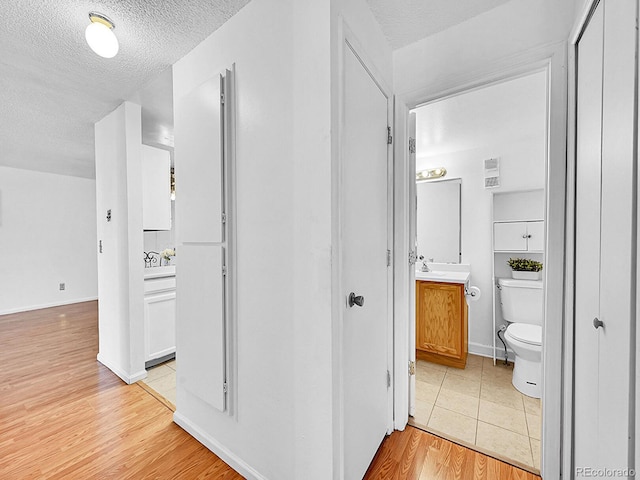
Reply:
x=480, y=170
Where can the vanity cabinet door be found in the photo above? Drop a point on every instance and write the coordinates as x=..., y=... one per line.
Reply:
x=441, y=323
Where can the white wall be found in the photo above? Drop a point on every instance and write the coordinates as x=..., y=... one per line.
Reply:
x=258, y=439
x=120, y=266
x=285, y=421
x=484, y=45
x=47, y=237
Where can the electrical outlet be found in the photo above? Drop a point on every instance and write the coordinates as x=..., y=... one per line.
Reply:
x=62, y=286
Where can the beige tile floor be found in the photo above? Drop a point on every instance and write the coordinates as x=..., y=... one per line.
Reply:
x=480, y=407
x=162, y=379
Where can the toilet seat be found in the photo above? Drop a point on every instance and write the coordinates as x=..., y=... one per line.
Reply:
x=525, y=333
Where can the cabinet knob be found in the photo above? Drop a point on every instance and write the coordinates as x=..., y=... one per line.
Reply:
x=597, y=323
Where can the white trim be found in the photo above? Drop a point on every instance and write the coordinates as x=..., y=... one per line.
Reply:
x=47, y=305
x=487, y=351
x=402, y=310
x=126, y=378
x=552, y=58
x=216, y=447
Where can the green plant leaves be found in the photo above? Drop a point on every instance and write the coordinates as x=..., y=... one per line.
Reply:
x=524, y=265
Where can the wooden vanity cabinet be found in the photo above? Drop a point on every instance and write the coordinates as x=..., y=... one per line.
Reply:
x=441, y=323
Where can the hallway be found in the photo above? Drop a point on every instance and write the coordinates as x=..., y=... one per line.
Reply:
x=66, y=416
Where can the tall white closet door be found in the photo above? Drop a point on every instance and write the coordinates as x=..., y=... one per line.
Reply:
x=617, y=246
x=604, y=236
x=588, y=176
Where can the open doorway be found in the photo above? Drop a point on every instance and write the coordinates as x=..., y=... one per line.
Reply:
x=490, y=145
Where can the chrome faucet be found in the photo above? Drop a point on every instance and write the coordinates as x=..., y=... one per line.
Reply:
x=425, y=267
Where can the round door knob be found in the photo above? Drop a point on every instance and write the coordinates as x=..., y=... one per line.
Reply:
x=597, y=323
x=355, y=300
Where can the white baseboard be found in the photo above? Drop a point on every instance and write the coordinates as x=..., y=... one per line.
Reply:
x=46, y=305
x=216, y=447
x=487, y=351
x=126, y=377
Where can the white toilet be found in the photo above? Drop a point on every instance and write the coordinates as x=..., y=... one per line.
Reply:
x=523, y=307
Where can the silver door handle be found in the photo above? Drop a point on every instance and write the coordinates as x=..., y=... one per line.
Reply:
x=355, y=300
x=597, y=323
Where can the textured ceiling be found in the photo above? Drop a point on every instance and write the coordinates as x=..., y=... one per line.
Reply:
x=407, y=21
x=53, y=88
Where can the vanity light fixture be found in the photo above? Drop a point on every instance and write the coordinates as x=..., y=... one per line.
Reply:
x=100, y=36
x=431, y=174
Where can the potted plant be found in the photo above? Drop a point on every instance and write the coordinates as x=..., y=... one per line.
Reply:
x=525, y=269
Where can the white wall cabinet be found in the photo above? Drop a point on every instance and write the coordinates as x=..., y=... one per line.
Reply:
x=518, y=231
x=156, y=189
x=159, y=317
x=518, y=236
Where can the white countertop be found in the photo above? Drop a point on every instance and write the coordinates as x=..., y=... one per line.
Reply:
x=159, y=272
x=444, y=272
x=445, y=277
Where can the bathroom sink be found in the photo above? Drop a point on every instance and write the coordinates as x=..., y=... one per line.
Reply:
x=442, y=276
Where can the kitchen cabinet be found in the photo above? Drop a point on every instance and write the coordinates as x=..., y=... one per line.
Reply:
x=441, y=323
x=156, y=189
x=518, y=236
x=160, y=314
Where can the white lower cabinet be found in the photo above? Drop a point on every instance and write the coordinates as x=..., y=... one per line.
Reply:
x=159, y=317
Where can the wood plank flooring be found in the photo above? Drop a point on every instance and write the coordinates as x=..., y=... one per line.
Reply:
x=414, y=454
x=65, y=416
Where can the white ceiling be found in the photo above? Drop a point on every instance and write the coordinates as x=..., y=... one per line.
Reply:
x=53, y=88
x=407, y=21
x=506, y=112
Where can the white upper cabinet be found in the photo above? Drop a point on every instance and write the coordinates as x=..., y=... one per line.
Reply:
x=518, y=236
x=156, y=189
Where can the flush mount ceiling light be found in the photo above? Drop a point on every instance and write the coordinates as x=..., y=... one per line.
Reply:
x=100, y=36
x=431, y=174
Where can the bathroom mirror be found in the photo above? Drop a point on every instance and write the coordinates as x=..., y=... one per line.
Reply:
x=438, y=227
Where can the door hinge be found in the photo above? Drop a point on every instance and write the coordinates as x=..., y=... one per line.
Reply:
x=224, y=270
x=389, y=136
x=221, y=98
x=224, y=218
x=413, y=257
x=388, y=379
x=225, y=387
x=412, y=145
x=412, y=367
x=388, y=258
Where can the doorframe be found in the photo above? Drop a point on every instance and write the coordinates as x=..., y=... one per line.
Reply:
x=348, y=40
x=553, y=59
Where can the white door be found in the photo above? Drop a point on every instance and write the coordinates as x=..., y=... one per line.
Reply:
x=413, y=247
x=364, y=230
x=604, y=237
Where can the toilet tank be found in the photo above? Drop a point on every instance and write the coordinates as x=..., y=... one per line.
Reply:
x=522, y=301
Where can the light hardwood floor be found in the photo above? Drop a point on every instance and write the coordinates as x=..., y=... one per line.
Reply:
x=65, y=416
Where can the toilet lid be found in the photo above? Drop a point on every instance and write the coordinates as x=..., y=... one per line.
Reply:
x=526, y=333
